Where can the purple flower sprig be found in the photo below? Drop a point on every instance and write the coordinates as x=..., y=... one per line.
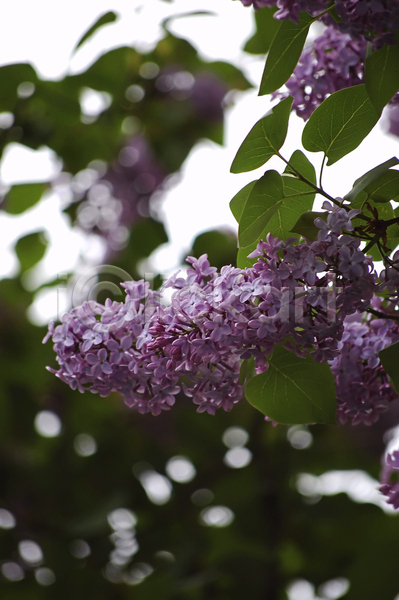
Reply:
x=371, y=20
x=296, y=293
x=363, y=388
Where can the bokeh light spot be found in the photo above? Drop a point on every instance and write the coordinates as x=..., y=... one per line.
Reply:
x=122, y=518
x=299, y=437
x=202, y=497
x=30, y=552
x=44, y=576
x=138, y=573
x=180, y=469
x=216, y=516
x=12, y=571
x=149, y=70
x=300, y=590
x=235, y=437
x=334, y=588
x=48, y=424
x=6, y=120
x=85, y=444
x=237, y=458
x=7, y=519
x=93, y=103
x=26, y=89
x=80, y=549
x=134, y=93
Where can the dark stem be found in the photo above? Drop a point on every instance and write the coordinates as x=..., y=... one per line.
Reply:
x=382, y=315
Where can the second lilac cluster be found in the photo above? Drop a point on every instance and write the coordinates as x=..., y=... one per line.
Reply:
x=362, y=386
x=334, y=61
x=372, y=20
x=290, y=9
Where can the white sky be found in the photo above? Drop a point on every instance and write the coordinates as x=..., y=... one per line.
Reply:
x=45, y=33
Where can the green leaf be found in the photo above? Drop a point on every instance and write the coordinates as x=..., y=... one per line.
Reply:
x=298, y=196
x=108, y=17
x=237, y=203
x=294, y=390
x=266, y=206
x=284, y=53
x=333, y=13
x=385, y=188
x=145, y=236
x=305, y=225
x=382, y=75
x=11, y=76
x=293, y=205
x=219, y=245
x=242, y=256
x=340, y=123
x=262, y=203
x=184, y=15
x=301, y=164
x=264, y=140
x=266, y=29
x=370, y=176
x=30, y=249
x=23, y=196
x=389, y=358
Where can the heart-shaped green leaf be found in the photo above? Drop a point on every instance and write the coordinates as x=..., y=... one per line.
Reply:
x=264, y=140
x=340, y=123
x=294, y=390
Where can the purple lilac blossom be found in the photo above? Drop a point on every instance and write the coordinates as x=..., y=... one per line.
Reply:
x=390, y=279
x=372, y=20
x=390, y=485
x=148, y=351
x=393, y=116
x=290, y=9
x=334, y=61
x=362, y=386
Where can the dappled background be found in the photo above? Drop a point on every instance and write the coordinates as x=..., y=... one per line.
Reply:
x=96, y=499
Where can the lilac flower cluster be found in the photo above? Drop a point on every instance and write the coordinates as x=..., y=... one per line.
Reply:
x=371, y=20
x=334, y=61
x=389, y=277
x=393, y=116
x=390, y=487
x=296, y=293
x=362, y=385
x=290, y=9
